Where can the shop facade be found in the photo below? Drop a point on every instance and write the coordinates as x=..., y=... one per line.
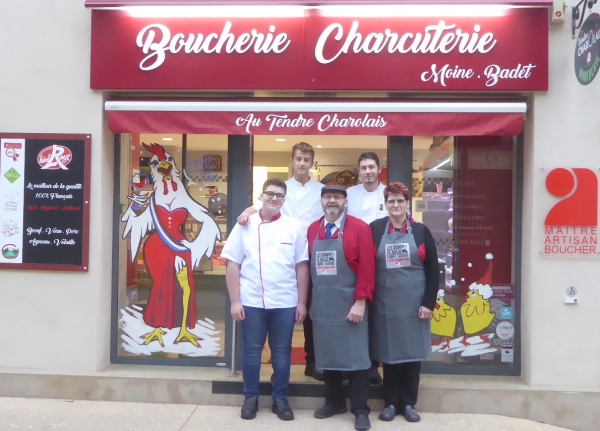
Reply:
x=478, y=108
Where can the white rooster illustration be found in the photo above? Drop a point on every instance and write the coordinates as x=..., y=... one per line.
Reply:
x=169, y=257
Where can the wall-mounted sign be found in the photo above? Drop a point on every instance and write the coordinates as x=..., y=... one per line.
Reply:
x=44, y=187
x=318, y=52
x=587, y=50
x=571, y=224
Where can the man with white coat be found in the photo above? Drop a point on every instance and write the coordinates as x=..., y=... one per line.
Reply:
x=267, y=279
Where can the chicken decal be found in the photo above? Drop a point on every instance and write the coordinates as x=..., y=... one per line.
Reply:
x=443, y=319
x=475, y=316
x=169, y=257
x=476, y=312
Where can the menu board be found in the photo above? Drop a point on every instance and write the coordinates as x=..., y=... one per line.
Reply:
x=44, y=212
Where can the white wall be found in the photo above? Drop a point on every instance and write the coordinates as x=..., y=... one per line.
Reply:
x=561, y=342
x=56, y=320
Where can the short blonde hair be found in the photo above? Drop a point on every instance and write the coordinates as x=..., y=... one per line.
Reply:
x=303, y=147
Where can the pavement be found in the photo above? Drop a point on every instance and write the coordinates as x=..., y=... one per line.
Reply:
x=36, y=414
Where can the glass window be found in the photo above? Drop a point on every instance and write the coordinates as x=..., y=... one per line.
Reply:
x=463, y=190
x=171, y=290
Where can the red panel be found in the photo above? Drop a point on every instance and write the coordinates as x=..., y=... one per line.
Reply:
x=378, y=124
x=516, y=53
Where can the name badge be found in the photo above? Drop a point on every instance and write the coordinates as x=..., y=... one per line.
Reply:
x=397, y=255
x=326, y=262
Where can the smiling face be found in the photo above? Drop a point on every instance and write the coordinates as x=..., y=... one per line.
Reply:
x=273, y=204
x=301, y=163
x=333, y=204
x=369, y=172
x=397, y=205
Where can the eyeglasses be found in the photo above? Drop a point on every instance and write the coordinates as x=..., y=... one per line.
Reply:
x=271, y=195
x=329, y=197
x=393, y=202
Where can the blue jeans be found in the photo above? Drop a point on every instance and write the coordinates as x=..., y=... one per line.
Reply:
x=279, y=324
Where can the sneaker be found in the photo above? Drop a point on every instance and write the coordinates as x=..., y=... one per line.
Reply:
x=411, y=415
x=249, y=408
x=283, y=410
x=329, y=410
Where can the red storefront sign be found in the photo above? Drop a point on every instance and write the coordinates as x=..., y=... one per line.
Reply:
x=377, y=124
x=317, y=52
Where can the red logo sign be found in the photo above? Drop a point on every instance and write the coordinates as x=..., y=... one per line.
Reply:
x=55, y=157
x=571, y=225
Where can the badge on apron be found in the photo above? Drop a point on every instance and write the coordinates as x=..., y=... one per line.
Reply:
x=326, y=262
x=397, y=255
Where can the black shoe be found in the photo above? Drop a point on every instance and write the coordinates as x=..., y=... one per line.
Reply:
x=249, y=408
x=411, y=415
x=329, y=410
x=283, y=410
x=375, y=376
x=312, y=371
x=388, y=413
x=361, y=421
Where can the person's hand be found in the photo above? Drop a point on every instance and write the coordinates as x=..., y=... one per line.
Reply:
x=424, y=313
x=357, y=312
x=237, y=312
x=243, y=219
x=300, y=313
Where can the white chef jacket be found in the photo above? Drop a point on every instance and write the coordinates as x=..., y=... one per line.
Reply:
x=302, y=202
x=367, y=206
x=268, y=253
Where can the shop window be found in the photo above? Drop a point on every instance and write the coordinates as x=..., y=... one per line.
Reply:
x=464, y=191
x=171, y=290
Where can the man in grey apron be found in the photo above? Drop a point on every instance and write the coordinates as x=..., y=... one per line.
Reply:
x=343, y=278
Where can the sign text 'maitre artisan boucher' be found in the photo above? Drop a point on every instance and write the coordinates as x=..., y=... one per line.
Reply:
x=504, y=53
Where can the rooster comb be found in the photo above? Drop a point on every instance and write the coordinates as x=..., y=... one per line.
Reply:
x=159, y=150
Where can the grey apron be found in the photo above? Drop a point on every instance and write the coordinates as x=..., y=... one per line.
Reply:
x=396, y=333
x=339, y=344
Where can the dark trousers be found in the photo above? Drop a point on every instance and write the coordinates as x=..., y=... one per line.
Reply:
x=358, y=389
x=309, y=346
x=401, y=384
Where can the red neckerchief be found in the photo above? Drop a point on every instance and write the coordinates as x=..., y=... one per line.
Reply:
x=404, y=228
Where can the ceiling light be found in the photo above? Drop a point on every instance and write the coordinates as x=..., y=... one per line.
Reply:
x=319, y=146
x=280, y=139
x=167, y=139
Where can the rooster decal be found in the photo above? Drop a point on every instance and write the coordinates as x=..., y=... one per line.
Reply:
x=169, y=257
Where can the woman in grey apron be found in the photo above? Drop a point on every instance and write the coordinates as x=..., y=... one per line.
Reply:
x=406, y=286
x=340, y=327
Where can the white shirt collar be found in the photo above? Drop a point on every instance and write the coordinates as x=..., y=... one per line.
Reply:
x=374, y=191
x=297, y=183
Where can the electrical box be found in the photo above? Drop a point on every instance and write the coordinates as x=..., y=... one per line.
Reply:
x=558, y=12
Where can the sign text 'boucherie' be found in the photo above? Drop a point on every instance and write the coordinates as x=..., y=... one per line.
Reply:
x=316, y=52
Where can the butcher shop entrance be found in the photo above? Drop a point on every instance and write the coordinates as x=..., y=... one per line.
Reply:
x=180, y=194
